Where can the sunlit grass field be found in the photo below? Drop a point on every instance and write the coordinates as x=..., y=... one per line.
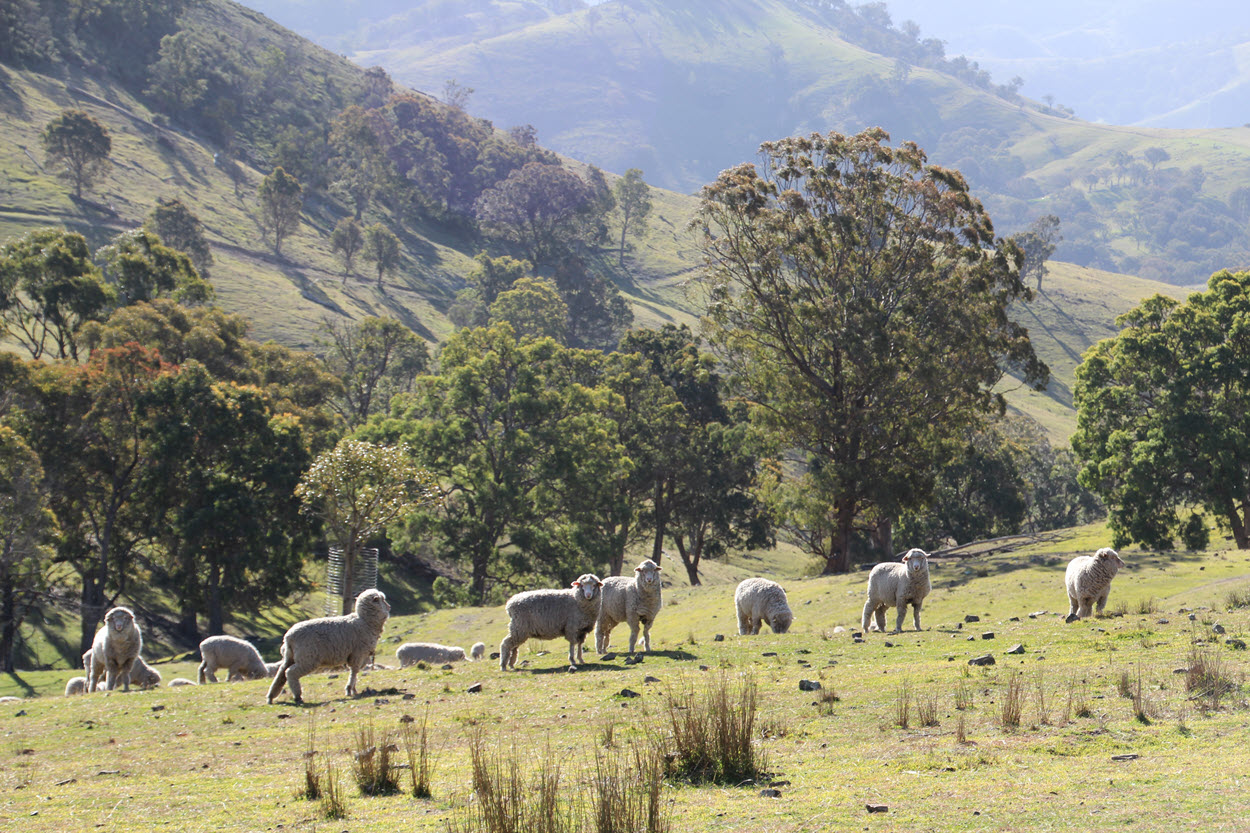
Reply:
x=1029, y=743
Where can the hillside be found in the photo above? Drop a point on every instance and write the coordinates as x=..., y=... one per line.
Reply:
x=685, y=91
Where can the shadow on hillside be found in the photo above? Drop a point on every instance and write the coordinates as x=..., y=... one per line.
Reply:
x=22, y=684
x=616, y=664
x=10, y=102
x=950, y=573
x=310, y=289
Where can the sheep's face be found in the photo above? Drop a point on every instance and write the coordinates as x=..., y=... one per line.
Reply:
x=588, y=585
x=120, y=619
x=372, y=600
x=780, y=622
x=917, y=561
x=1110, y=557
x=648, y=573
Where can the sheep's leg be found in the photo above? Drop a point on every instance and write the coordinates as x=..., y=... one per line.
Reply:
x=1085, y=609
x=880, y=617
x=866, y=619
x=603, y=636
x=744, y=624
x=506, y=653
x=755, y=625
x=125, y=675
x=350, y=690
x=902, y=614
x=279, y=681
x=633, y=634
x=1102, y=602
x=1073, y=605
x=915, y=612
x=646, y=634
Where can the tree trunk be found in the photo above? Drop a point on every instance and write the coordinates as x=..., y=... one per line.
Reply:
x=349, y=576
x=839, y=559
x=661, y=522
x=188, y=627
x=216, y=615
x=690, y=558
x=1238, y=525
x=93, y=606
x=883, y=537
x=8, y=630
x=616, y=558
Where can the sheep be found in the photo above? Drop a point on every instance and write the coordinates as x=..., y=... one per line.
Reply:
x=114, y=650
x=1088, y=580
x=760, y=601
x=632, y=600
x=144, y=675
x=548, y=614
x=897, y=584
x=178, y=682
x=477, y=651
x=239, y=657
x=331, y=642
x=76, y=685
x=410, y=653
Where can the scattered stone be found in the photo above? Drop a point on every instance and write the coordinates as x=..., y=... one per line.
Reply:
x=382, y=701
x=572, y=669
x=1038, y=613
x=778, y=783
x=1016, y=649
x=1180, y=670
x=970, y=618
x=634, y=660
x=494, y=655
x=407, y=719
x=476, y=688
x=1236, y=644
x=284, y=716
x=802, y=651
x=1129, y=757
x=877, y=808
x=1161, y=622
x=650, y=679
x=769, y=654
x=839, y=629
x=720, y=637
x=857, y=634
x=409, y=696
x=608, y=657
x=447, y=667
x=1217, y=627
x=1014, y=619
x=1193, y=617
x=809, y=685
x=158, y=708
x=987, y=635
x=702, y=667
x=1070, y=618
x=984, y=659
x=972, y=639
x=889, y=644
x=625, y=692
x=67, y=781
x=769, y=792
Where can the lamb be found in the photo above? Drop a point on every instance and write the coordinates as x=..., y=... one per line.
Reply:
x=239, y=657
x=897, y=584
x=760, y=601
x=144, y=675
x=114, y=650
x=633, y=600
x=1088, y=580
x=477, y=651
x=178, y=682
x=76, y=685
x=331, y=642
x=410, y=653
x=548, y=614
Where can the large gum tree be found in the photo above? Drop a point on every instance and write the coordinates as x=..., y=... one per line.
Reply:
x=861, y=303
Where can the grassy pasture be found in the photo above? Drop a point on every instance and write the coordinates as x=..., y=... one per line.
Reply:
x=218, y=758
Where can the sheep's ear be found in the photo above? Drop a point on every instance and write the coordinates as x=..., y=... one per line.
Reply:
x=576, y=584
x=907, y=557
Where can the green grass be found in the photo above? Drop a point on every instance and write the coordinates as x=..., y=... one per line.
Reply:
x=218, y=756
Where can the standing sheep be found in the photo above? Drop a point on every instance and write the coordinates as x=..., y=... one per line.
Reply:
x=238, y=656
x=114, y=650
x=548, y=614
x=1088, y=580
x=477, y=651
x=895, y=584
x=331, y=642
x=410, y=653
x=633, y=600
x=760, y=601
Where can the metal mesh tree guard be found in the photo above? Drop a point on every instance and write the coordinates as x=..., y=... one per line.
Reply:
x=364, y=577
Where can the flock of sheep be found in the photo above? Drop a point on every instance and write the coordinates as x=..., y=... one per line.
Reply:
x=587, y=604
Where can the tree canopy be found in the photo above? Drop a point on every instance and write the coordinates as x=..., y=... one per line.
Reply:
x=80, y=146
x=861, y=302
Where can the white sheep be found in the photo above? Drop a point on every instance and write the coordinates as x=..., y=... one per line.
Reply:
x=477, y=651
x=548, y=614
x=144, y=675
x=897, y=584
x=410, y=653
x=1088, y=580
x=76, y=685
x=760, y=601
x=633, y=600
x=238, y=656
x=114, y=650
x=331, y=642
x=178, y=682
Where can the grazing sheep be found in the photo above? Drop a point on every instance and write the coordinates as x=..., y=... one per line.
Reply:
x=410, y=653
x=633, y=600
x=760, y=601
x=548, y=614
x=477, y=651
x=238, y=656
x=114, y=650
x=178, y=682
x=144, y=675
x=331, y=642
x=897, y=584
x=1088, y=580
x=76, y=685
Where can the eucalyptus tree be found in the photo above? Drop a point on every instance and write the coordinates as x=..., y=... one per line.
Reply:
x=861, y=301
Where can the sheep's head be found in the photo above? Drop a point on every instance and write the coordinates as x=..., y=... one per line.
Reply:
x=1110, y=558
x=372, y=605
x=917, y=561
x=648, y=573
x=120, y=619
x=780, y=621
x=587, y=585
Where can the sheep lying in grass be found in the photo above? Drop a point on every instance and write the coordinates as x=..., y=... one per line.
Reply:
x=331, y=642
x=114, y=650
x=76, y=685
x=894, y=584
x=1088, y=580
x=178, y=682
x=760, y=601
x=548, y=614
x=144, y=675
x=410, y=653
x=477, y=651
x=239, y=657
x=634, y=600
